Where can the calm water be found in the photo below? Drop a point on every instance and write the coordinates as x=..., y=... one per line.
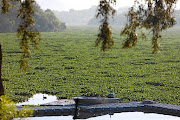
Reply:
x=39, y=99
x=116, y=116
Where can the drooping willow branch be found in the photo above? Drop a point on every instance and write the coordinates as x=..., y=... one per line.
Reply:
x=130, y=30
x=26, y=31
x=105, y=34
x=153, y=15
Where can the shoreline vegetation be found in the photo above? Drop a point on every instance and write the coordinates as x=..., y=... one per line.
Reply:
x=69, y=65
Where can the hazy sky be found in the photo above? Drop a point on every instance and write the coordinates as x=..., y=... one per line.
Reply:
x=76, y=4
x=65, y=5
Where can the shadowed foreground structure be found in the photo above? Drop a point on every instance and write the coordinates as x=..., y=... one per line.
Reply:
x=88, y=111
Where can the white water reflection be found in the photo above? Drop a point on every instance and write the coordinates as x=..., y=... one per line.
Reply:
x=39, y=99
x=135, y=116
x=116, y=116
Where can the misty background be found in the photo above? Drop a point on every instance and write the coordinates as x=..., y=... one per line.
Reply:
x=82, y=12
x=55, y=16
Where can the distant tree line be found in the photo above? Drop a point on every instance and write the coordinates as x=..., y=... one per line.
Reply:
x=46, y=21
x=121, y=19
x=118, y=19
x=87, y=16
x=76, y=16
x=177, y=17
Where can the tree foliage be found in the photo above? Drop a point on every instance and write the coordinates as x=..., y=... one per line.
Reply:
x=153, y=15
x=25, y=31
x=105, y=35
x=53, y=24
x=8, y=110
x=44, y=21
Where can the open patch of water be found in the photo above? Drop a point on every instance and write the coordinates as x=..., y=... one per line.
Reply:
x=116, y=116
x=39, y=99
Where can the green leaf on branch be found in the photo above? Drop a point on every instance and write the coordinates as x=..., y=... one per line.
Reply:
x=105, y=33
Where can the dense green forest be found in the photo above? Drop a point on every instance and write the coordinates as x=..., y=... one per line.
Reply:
x=46, y=21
